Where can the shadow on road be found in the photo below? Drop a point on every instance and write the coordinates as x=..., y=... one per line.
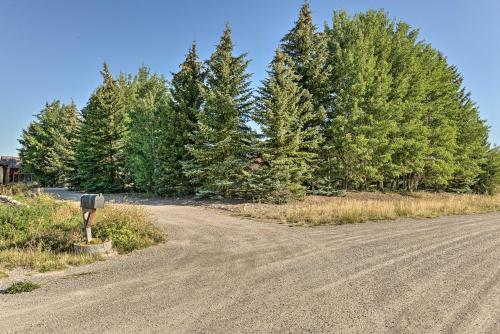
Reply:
x=140, y=198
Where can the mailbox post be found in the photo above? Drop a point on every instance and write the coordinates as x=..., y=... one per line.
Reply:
x=89, y=204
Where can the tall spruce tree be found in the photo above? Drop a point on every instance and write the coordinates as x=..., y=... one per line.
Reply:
x=148, y=105
x=488, y=181
x=222, y=142
x=180, y=123
x=281, y=106
x=307, y=48
x=99, y=156
x=48, y=144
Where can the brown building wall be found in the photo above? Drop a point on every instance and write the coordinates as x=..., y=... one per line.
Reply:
x=4, y=174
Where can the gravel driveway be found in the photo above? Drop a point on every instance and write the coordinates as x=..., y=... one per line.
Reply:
x=222, y=274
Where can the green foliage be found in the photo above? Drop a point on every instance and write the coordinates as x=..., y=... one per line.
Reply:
x=222, y=142
x=489, y=178
x=360, y=125
x=41, y=235
x=47, y=145
x=99, y=153
x=400, y=117
x=43, y=224
x=180, y=124
x=147, y=103
x=127, y=227
x=20, y=287
x=307, y=49
x=282, y=109
x=387, y=111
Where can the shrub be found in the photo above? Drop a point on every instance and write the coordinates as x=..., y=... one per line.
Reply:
x=41, y=235
x=127, y=226
x=20, y=287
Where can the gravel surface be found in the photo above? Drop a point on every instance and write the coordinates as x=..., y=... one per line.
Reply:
x=222, y=274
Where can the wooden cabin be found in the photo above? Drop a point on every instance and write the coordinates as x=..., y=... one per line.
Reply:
x=10, y=171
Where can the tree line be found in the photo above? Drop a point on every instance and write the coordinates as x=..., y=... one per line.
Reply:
x=363, y=104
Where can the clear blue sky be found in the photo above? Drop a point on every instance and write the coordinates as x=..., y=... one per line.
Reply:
x=55, y=49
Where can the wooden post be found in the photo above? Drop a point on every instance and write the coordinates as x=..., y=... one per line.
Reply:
x=88, y=217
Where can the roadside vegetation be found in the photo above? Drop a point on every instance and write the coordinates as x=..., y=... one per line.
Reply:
x=362, y=104
x=362, y=207
x=20, y=287
x=41, y=234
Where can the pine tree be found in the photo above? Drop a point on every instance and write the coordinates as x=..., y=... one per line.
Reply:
x=180, y=123
x=360, y=125
x=281, y=107
x=488, y=181
x=407, y=101
x=222, y=143
x=149, y=100
x=47, y=145
x=472, y=144
x=441, y=107
x=100, y=159
x=31, y=151
x=307, y=48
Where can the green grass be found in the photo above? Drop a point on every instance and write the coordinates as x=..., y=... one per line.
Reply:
x=41, y=235
x=20, y=287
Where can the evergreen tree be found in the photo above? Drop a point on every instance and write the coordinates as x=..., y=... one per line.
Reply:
x=148, y=105
x=180, y=124
x=47, y=145
x=441, y=107
x=100, y=159
x=399, y=116
x=307, y=49
x=407, y=100
x=488, y=181
x=362, y=105
x=31, y=151
x=472, y=145
x=281, y=107
x=222, y=142
x=360, y=124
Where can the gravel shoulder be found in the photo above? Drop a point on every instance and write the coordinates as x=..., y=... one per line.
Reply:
x=222, y=274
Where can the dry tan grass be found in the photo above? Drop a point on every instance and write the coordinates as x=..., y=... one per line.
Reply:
x=42, y=260
x=361, y=207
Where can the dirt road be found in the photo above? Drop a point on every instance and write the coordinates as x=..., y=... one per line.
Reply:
x=221, y=274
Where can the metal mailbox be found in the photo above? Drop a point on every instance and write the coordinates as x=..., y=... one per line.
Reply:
x=92, y=201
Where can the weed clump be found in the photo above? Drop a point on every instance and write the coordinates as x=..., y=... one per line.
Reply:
x=20, y=287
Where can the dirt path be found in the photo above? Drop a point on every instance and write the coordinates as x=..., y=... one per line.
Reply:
x=221, y=274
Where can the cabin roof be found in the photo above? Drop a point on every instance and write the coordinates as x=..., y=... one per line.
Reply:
x=11, y=162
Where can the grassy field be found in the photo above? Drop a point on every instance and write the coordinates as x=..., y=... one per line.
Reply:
x=361, y=207
x=40, y=235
